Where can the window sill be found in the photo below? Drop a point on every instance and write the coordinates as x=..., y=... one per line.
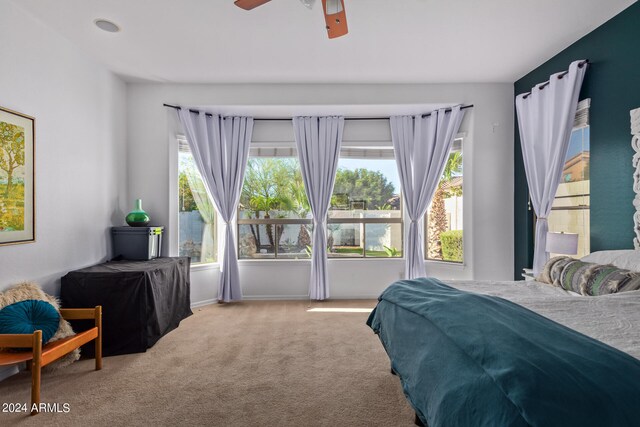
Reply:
x=272, y=261
x=308, y=260
x=207, y=266
x=455, y=265
x=380, y=259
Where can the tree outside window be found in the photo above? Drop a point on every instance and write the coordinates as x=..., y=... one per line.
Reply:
x=274, y=219
x=444, y=219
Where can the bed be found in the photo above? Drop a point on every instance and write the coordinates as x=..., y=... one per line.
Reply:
x=512, y=353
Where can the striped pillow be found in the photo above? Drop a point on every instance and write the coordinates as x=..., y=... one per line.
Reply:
x=587, y=278
x=613, y=280
x=553, y=269
x=591, y=279
x=576, y=275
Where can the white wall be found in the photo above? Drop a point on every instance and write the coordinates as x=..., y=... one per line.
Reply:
x=488, y=178
x=80, y=149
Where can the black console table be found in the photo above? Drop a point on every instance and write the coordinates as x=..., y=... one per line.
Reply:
x=141, y=300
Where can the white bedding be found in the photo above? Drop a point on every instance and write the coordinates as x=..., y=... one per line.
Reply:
x=613, y=319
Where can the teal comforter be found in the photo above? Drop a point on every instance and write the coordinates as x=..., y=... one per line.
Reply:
x=466, y=359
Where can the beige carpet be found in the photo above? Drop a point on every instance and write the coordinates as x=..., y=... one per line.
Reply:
x=247, y=364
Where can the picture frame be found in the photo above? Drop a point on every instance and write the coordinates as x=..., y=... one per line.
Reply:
x=17, y=178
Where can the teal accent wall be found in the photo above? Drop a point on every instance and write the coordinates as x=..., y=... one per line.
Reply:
x=613, y=84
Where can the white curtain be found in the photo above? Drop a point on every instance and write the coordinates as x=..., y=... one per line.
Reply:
x=220, y=147
x=318, y=140
x=421, y=146
x=545, y=120
x=205, y=208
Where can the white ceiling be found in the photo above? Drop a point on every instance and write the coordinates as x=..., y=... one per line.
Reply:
x=389, y=41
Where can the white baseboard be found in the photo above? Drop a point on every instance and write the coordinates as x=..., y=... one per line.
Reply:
x=7, y=371
x=204, y=302
x=306, y=297
x=358, y=296
x=284, y=298
x=274, y=297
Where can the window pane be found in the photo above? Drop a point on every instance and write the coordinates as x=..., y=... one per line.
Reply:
x=364, y=188
x=256, y=241
x=345, y=240
x=197, y=214
x=572, y=221
x=383, y=240
x=570, y=212
x=444, y=228
x=273, y=188
x=294, y=241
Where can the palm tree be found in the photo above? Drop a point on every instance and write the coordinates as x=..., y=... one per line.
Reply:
x=265, y=189
x=438, y=215
x=265, y=203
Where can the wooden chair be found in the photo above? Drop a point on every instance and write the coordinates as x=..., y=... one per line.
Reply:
x=40, y=355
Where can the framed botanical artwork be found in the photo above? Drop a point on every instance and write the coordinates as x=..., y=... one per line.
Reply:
x=17, y=178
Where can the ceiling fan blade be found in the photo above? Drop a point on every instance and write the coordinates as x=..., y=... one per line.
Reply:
x=249, y=4
x=335, y=18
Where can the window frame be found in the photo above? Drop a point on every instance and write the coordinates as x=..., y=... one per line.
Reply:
x=462, y=136
x=309, y=221
x=582, y=196
x=581, y=121
x=183, y=147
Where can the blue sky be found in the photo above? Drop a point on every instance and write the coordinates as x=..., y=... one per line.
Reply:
x=578, y=138
x=387, y=167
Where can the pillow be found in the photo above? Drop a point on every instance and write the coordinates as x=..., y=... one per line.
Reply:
x=575, y=276
x=553, y=269
x=587, y=278
x=592, y=279
x=25, y=317
x=31, y=291
x=610, y=279
x=629, y=260
x=606, y=257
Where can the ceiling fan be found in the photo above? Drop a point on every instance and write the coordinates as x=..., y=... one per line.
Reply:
x=334, y=14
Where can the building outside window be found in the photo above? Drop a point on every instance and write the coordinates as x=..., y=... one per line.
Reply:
x=197, y=213
x=570, y=210
x=443, y=221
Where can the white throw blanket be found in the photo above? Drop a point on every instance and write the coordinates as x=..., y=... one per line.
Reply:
x=613, y=319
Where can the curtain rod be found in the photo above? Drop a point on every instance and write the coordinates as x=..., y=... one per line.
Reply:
x=177, y=107
x=561, y=75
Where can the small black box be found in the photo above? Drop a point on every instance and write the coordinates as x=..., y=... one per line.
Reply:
x=137, y=243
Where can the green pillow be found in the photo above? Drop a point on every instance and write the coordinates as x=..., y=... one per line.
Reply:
x=592, y=279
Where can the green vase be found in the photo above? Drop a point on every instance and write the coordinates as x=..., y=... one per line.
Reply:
x=137, y=217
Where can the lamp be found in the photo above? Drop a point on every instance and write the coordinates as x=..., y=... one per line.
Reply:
x=562, y=243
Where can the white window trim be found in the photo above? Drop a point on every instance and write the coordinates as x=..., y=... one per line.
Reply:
x=377, y=149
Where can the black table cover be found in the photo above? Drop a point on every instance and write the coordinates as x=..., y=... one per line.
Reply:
x=141, y=301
